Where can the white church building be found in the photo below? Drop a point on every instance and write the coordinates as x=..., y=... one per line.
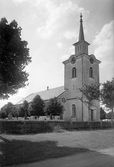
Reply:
x=81, y=68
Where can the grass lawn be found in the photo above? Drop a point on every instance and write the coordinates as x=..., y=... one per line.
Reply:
x=24, y=151
x=18, y=149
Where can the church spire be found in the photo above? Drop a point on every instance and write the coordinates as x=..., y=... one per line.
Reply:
x=81, y=46
x=81, y=33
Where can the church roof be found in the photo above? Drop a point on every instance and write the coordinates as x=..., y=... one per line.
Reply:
x=45, y=95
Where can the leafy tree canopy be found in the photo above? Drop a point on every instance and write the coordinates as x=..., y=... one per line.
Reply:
x=21, y=112
x=3, y=115
x=110, y=115
x=54, y=107
x=25, y=108
x=14, y=56
x=37, y=106
x=8, y=108
x=90, y=93
x=102, y=114
x=107, y=94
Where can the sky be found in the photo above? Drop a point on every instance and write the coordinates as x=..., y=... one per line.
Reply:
x=51, y=27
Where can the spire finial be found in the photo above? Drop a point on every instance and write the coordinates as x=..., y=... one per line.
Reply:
x=81, y=33
x=81, y=17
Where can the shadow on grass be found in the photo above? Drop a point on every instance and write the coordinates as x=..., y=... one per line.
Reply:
x=21, y=151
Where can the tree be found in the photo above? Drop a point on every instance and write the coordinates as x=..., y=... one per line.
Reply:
x=25, y=108
x=54, y=108
x=3, y=115
x=9, y=108
x=21, y=112
x=109, y=115
x=102, y=114
x=37, y=106
x=107, y=95
x=15, y=112
x=89, y=94
x=14, y=56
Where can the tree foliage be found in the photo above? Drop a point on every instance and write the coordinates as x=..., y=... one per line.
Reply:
x=109, y=115
x=37, y=106
x=55, y=107
x=102, y=114
x=90, y=93
x=25, y=108
x=14, y=56
x=21, y=111
x=9, y=108
x=3, y=115
x=107, y=94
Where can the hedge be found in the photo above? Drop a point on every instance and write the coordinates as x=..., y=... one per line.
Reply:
x=27, y=127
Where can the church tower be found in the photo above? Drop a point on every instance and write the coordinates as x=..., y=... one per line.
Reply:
x=81, y=68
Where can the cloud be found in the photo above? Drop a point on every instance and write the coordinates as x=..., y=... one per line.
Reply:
x=64, y=57
x=59, y=45
x=59, y=17
x=70, y=34
x=71, y=51
x=19, y=1
x=104, y=42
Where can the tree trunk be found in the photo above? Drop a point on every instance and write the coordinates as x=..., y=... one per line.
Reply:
x=25, y=115
x=112, y=117
x=51, y=116
x=88, y=113
x=89, y=116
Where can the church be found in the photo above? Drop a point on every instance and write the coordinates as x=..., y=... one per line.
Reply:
x=81, y=68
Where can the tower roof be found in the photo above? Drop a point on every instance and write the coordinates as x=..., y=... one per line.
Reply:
x=81, y=33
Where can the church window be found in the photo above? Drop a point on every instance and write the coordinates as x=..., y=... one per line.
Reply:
x=74, y=72
x=91, y=72
x=73, y=110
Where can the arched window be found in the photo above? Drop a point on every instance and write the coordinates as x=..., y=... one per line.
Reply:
x=73, y=110
x=91, y=72
x=74, y=72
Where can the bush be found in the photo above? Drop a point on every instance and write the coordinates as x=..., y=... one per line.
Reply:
x=3, y=115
